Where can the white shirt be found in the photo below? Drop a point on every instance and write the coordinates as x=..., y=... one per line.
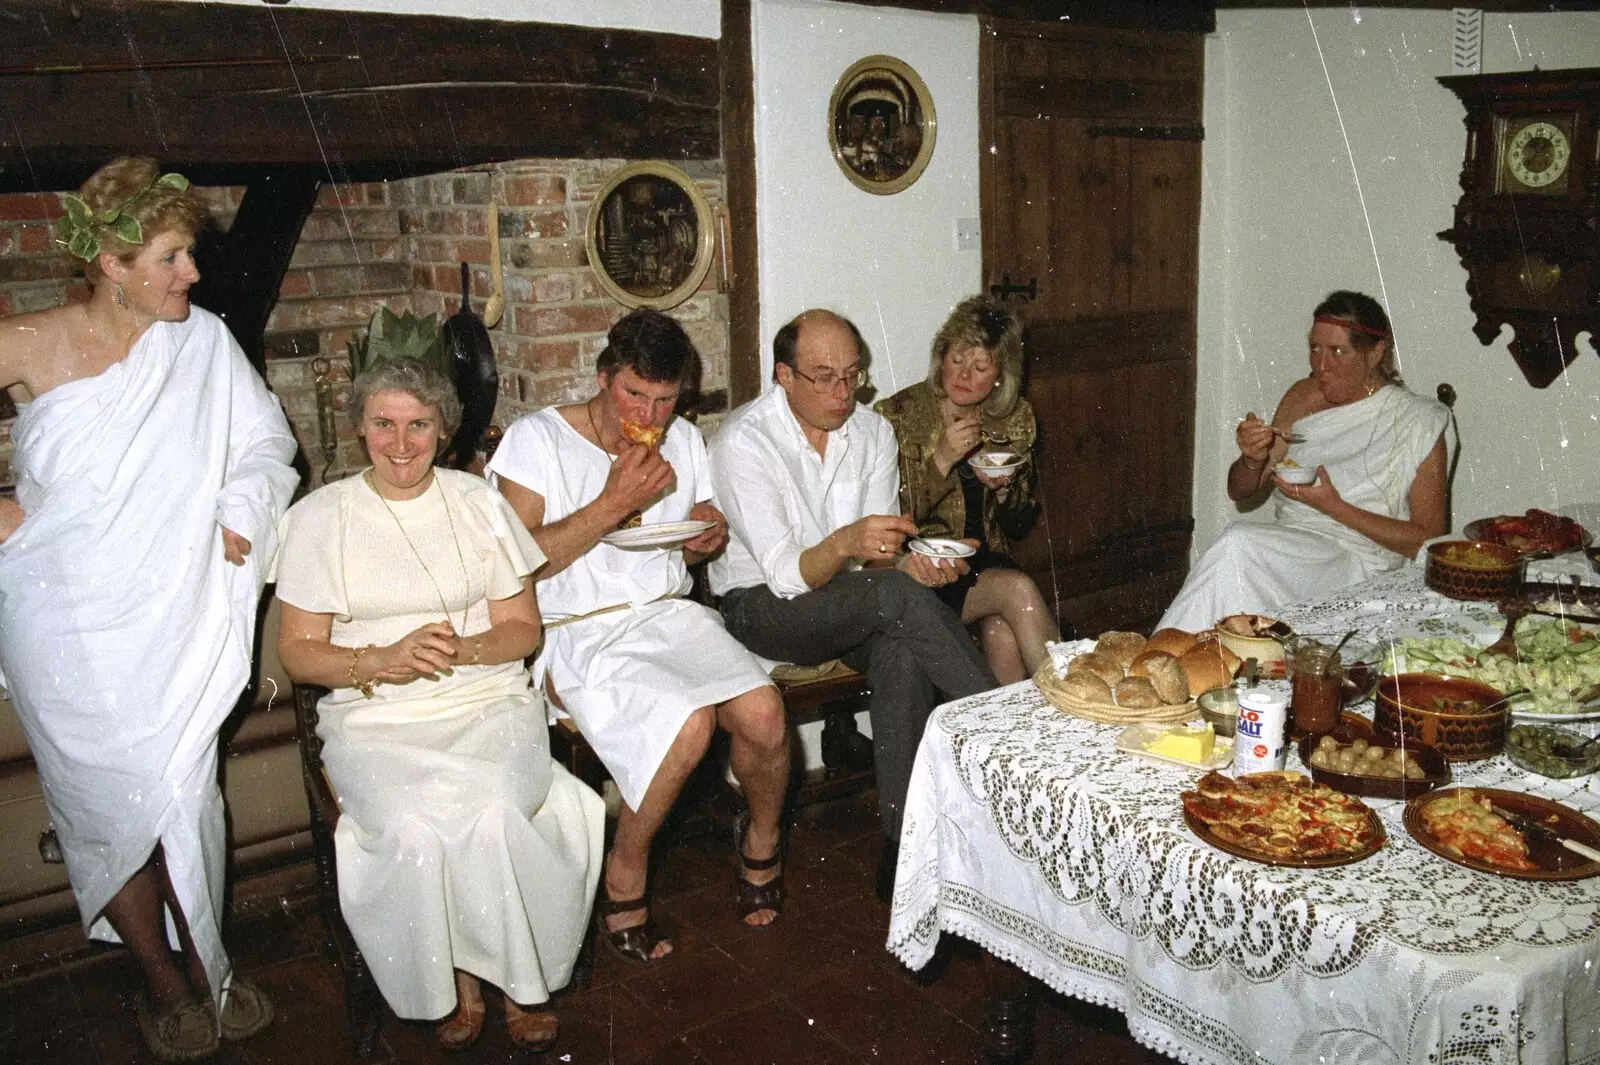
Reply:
x=781, y=497
x=546, y=455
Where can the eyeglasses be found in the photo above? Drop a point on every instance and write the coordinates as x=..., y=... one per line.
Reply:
x=824, y=383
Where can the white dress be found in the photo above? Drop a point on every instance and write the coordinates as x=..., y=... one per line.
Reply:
x=460, y=845
x=1371, y=449
x=125, y=636
x=629, y=679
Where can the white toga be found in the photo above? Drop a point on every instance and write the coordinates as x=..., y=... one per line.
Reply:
x=125, y=637
x=1371, y=449
x=629, y=679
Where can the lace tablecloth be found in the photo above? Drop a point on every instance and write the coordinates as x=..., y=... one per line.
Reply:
x=1026, y=833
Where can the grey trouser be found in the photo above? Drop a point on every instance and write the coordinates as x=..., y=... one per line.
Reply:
x=912, y=648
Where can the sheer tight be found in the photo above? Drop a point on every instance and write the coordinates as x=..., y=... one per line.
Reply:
x=1014, y=622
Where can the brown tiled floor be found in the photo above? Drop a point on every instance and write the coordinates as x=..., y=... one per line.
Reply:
x=817, y=988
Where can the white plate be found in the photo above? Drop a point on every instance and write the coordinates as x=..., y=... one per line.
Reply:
x=997, y=462
x=1134, y=738
x=661, y=534
x=1590, y=712
x=935, y=547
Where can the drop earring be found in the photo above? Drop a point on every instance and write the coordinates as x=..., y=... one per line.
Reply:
x=122, y=301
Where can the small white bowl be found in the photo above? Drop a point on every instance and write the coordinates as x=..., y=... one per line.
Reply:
x=996, y=461
x=940, y=549
x=1297, y=474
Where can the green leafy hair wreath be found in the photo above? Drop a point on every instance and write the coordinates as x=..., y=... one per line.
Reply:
x=84, y=230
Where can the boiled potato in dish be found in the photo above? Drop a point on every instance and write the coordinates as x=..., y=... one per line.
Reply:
x=1360, y=758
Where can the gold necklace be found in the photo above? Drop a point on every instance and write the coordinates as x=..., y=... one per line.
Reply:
x=588, y=410
x=465, y=576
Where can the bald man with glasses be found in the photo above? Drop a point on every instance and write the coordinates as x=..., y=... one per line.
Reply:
x=815, y=567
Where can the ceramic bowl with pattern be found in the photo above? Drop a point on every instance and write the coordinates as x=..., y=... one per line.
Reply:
x=1463, y=719
x=1472, y=569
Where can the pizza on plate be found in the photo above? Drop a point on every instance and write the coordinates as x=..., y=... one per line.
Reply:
x=1281, y=815
x=1463, y=824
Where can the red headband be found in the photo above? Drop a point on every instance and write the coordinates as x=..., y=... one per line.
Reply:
x=1357, y=326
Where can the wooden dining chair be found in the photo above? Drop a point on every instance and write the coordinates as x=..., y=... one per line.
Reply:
x=363, y=1005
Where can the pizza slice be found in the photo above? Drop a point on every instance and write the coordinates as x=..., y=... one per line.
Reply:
x=1463, y=823
x=648, y=435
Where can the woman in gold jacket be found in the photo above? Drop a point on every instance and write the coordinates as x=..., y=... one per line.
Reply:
x=970, y=401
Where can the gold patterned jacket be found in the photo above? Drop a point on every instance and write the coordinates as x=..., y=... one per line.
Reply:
x=934, y=501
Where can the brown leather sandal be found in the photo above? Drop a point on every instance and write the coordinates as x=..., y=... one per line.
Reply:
x=530, y=1028
x=636, y=943
x=463, y=1027
x=753, y=898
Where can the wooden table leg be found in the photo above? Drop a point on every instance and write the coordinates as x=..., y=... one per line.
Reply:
x=1007, y=1011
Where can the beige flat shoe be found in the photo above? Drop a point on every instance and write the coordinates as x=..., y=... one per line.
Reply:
x=246, y=1010
x=183, y=1030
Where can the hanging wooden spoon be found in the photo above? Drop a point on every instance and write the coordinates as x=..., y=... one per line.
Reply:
x=495, y=308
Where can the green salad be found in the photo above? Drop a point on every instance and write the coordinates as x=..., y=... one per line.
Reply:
x=1559, y=666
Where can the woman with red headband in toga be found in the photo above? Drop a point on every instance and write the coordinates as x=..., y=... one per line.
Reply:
x=1379, y=491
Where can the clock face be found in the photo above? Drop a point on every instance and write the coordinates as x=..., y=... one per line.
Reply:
x=1537, y=155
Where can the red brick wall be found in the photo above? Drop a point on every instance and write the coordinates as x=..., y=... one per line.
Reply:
x=401, y=244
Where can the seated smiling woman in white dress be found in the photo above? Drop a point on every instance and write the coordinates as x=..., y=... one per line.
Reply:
x=463, y=852
x=1379, y=493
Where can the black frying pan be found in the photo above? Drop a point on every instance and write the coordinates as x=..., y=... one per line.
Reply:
x=477, y=379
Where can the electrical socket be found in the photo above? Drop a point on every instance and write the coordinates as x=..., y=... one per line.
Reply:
x=969, y=236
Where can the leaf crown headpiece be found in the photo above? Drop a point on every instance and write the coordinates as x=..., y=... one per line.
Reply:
x=85, y=230
x=394, y=337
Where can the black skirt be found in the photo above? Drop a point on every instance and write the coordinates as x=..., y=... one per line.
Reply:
x=954, y=594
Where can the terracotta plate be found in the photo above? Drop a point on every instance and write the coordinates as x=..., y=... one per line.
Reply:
x=1555, y=861
x=1433, y=763
x=1203, y=830
x=1473, y=530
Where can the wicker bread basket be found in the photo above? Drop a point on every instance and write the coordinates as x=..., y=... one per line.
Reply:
x=1107, y=713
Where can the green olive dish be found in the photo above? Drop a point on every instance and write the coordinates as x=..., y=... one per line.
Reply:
x=1551, y=751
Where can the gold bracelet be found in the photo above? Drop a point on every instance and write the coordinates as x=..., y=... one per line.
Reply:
x=477, y=651
x=356, y=681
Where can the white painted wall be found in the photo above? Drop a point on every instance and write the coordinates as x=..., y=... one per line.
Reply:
x=694, y=18
x=887, y=262
x=1320, y=122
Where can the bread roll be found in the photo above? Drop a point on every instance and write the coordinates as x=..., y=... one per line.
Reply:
x=1208, y=665
x=1106, y=668
x=1136, y=693
x=1172, y=641
x=1162, y=670
x=1124, y=647
x=1086, y=686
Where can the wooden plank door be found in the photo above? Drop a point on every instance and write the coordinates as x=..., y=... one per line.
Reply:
x=1091, y=197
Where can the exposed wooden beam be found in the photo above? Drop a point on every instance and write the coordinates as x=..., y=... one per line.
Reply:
x=1505, y=6
x=362, y=95
x=739, y=164
x=242, y=270
x=1192, y=15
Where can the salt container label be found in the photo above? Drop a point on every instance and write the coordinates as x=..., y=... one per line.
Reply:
x=1258, y=742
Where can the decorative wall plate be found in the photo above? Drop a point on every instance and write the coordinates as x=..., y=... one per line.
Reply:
x=650, y=236
x=881, y=124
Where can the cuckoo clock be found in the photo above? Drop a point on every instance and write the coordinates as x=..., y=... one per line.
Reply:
x=1527, y=226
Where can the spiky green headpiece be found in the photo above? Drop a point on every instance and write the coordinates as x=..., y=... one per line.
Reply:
x=391, y=337
x=83, y=230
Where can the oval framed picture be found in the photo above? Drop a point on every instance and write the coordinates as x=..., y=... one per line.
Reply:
x=650, y=236
x=881, y=124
